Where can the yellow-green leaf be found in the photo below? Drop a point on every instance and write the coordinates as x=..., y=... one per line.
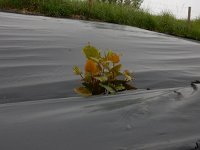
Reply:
x=102, y=79
x=83, y=91
x=119, y=87
x=77, y=70
x=110, y=52
x=94, y=59
x=91, y=51
x=88, y=77
x=116, y=68
x=108, y=88
x=128, y=77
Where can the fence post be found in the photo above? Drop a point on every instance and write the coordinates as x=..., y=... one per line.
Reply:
x=189, y=14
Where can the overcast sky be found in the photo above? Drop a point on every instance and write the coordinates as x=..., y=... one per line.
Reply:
x=177, y=7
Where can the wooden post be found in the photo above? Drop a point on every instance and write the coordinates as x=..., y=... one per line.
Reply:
x=189, y=14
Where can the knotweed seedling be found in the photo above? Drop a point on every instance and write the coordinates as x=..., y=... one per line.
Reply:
x=102, y=73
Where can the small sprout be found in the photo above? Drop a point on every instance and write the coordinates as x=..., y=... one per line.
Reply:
x=102, y=73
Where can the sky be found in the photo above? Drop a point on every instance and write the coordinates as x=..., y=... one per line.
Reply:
x=178, y=7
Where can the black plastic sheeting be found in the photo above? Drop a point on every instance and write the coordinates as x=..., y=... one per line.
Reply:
x=39, y=109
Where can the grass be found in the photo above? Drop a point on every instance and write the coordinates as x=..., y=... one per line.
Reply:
x=126, y=15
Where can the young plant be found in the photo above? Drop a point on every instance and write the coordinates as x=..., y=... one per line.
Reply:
x=102, y=73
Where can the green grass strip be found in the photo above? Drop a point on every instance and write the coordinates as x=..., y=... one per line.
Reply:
x=113, y=13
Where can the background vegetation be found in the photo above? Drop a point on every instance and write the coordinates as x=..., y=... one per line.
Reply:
x=108, y=11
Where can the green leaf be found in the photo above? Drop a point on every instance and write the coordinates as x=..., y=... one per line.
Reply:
x=102, y=79
x=119, y=87
x=91, y=52
x=110, y=52
x=88, y=77
x=87, y=85
x=116, y=68
x=77, y=70
x=128, y=77
x=115, y=71
x=83, y=91
x=108, y=88
x=94, y=59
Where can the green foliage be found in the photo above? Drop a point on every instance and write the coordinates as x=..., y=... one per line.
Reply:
x=167, y=23
x=102, y=73
x=109, y=12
